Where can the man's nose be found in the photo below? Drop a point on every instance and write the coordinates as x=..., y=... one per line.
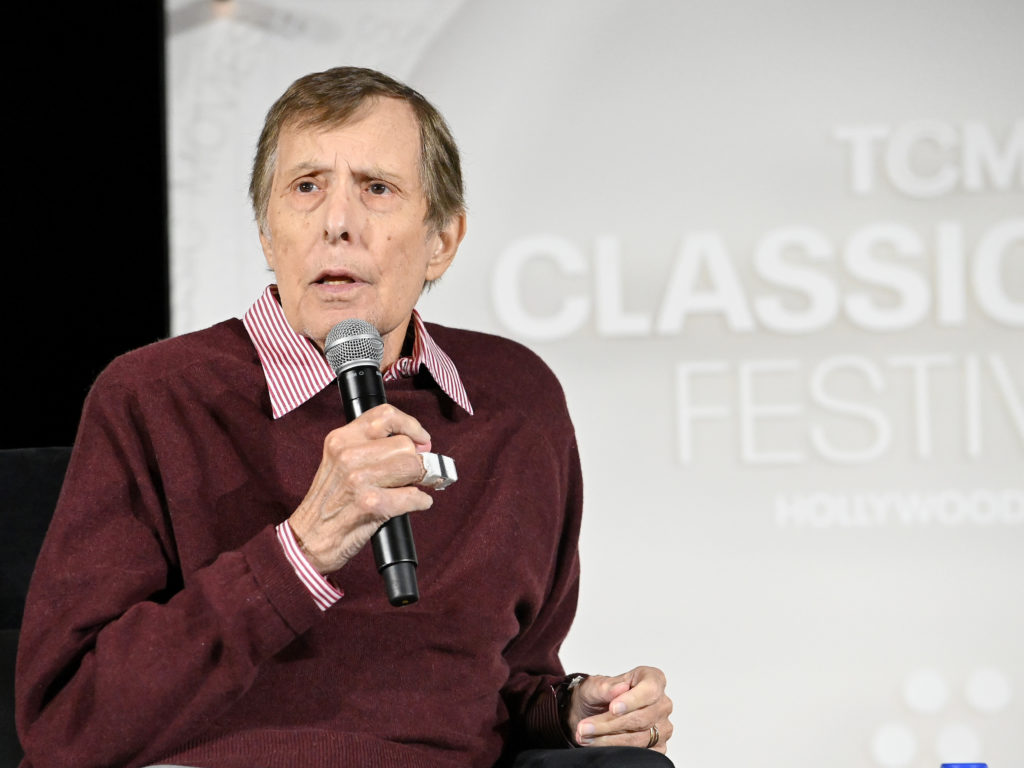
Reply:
x=340, y=213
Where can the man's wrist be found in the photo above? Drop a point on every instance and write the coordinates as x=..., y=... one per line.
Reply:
x=564, y=695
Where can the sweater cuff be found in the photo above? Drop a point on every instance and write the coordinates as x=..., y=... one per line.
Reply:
x=547, y=718
x=287, y=594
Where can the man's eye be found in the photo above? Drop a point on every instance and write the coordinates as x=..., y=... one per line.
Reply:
x=306, y=187
x=378, y=188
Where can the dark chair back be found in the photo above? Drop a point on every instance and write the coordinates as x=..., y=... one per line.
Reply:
x=30, y=481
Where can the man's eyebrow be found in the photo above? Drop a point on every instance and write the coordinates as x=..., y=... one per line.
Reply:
x=306, y=166
x=377, y=172
x=405, y=185
x=370, y=172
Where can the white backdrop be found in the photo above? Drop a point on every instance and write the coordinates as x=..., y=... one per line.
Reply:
x=775, y=252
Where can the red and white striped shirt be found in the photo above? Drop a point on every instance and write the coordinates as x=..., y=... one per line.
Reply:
x=296, y=371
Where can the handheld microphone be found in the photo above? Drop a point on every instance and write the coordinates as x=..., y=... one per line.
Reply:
x=354, y=350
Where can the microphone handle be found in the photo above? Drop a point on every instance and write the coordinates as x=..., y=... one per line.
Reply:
x=394, y=552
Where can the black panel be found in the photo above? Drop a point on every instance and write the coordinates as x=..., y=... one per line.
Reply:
x=86, y=244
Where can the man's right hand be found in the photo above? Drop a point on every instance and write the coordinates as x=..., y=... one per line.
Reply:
x=367, y=476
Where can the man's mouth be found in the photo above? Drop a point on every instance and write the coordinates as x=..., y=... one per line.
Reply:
x=336, y=277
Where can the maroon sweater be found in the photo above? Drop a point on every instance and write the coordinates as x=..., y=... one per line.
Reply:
x=164, y=624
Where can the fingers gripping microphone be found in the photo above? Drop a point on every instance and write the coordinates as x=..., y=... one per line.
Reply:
x=354, y=350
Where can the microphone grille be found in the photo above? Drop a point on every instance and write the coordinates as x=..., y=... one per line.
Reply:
x=351, y=343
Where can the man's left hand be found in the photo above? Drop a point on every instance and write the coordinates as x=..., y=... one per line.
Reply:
x=629, y=710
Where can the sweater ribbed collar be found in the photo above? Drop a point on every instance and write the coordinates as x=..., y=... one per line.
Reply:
x=296, y=370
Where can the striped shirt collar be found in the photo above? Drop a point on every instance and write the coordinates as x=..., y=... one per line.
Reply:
x=296, y=370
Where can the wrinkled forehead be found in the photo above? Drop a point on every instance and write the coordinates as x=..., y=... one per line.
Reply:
x=332, y=114
x=382, y=132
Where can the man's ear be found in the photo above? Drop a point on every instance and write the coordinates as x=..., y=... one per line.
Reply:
x=268, y=248
x=446, y=244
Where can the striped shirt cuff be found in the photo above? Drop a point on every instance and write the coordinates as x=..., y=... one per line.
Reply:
x=324, y=593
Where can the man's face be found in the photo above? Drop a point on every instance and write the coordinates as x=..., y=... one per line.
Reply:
x=346, y=235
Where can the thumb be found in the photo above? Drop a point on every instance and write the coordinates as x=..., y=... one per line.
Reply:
x=618, y=686
x=600, y=692
x=592, y=700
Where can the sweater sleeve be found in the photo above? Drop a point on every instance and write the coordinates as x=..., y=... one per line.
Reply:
x=536, y=673
x=121, y=655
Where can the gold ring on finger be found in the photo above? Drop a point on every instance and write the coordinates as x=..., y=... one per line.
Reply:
x=655, y=736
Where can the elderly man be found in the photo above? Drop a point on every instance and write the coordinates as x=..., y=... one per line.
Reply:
x=205, y=595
